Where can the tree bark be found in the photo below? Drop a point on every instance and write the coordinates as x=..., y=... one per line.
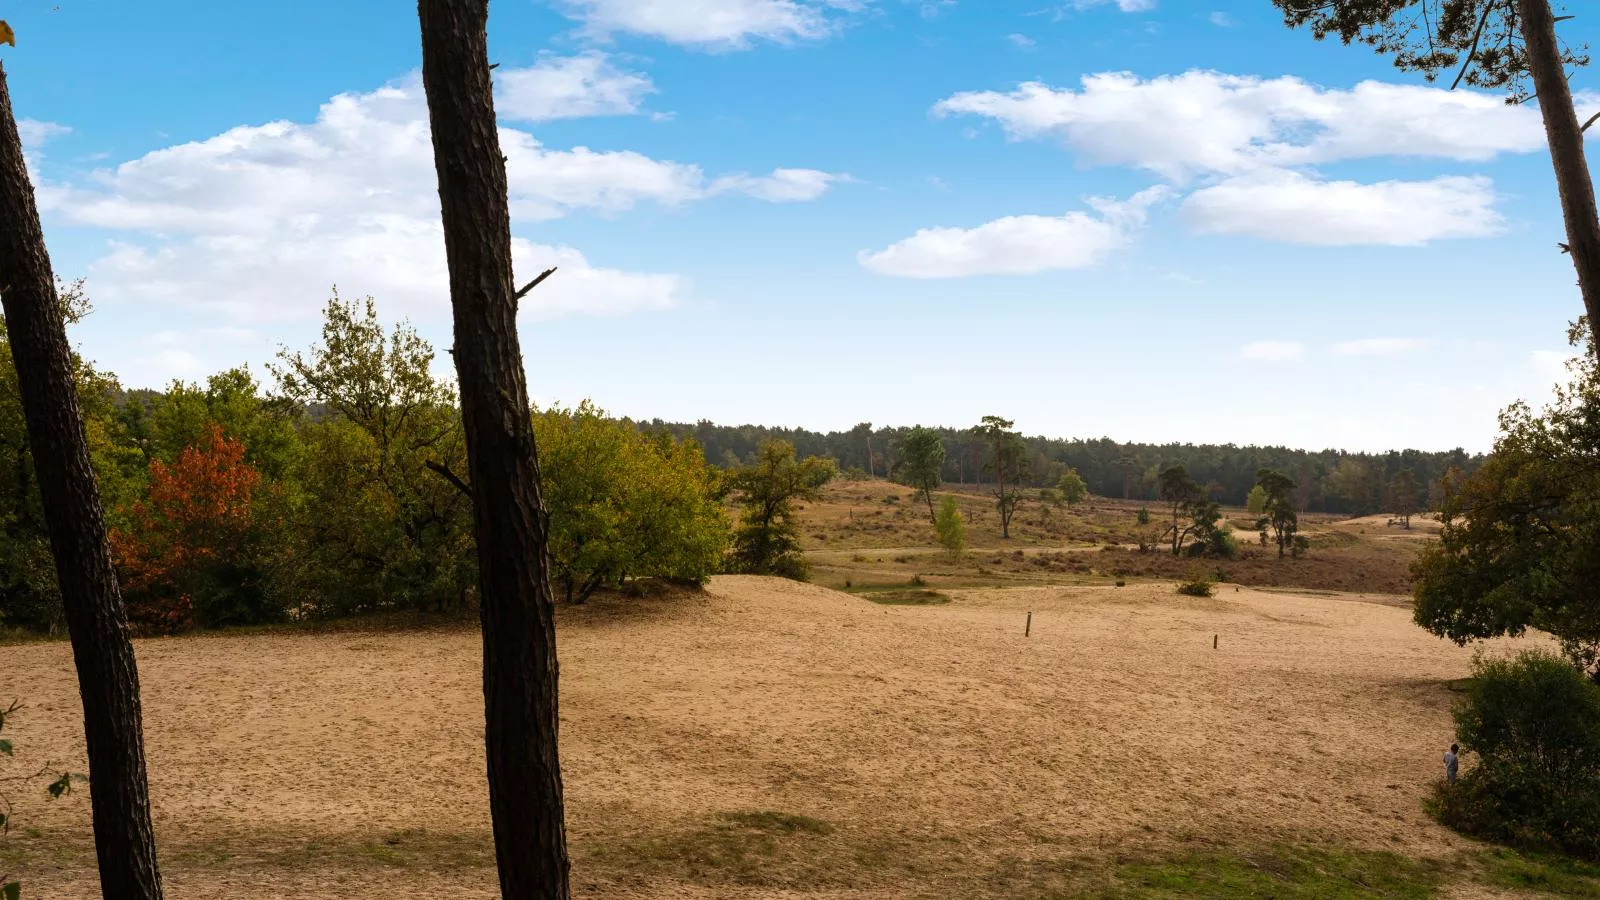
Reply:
x=97, y=622
x=518, y=613
x=1565, y=137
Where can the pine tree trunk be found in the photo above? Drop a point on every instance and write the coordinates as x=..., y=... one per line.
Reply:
x=1565, y=137
x=108, y=679
x=518, y=612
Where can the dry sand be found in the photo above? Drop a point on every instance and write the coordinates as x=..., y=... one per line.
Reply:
x=940, y=733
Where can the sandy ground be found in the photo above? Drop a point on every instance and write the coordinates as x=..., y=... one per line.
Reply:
x=940, y=733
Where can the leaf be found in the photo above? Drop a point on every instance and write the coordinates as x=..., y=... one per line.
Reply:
x=59, y=786
x=7, y=36
x=5, y=747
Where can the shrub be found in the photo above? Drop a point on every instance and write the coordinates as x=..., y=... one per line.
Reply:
x=625, y=504
x=1196, y=586
x=1534, y=723
x=1143, y=517
x=949, y=527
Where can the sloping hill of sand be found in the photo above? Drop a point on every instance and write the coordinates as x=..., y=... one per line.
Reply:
x=937, y=742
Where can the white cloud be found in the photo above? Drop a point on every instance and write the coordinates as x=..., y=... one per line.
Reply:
x=566, y=87
x=1203, y=122
x=1221, y=20
x=36, y=134
x=1016, y=245
x=257, y=222
x=1378, y=346
x=718, y=24
x=1296, y=209
x=1273, y=351
x=1022, y=41
x=782, y=186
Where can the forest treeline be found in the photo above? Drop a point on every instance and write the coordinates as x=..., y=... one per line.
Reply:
x=1331, y=481
x=341, y=489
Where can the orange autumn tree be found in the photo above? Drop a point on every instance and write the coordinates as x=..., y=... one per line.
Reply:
x=191, y=552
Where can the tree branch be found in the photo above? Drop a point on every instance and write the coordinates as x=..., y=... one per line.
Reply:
x=1588, y=123
x=444, y=472
x=534, y=283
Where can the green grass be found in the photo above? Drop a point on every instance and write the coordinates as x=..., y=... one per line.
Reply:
x=909, y=598
x=1556, y=875
x=1283, y=872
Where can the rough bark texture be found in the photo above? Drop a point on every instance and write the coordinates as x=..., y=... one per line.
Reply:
x=97, y=622
x=519, y=641
x=1565, y=137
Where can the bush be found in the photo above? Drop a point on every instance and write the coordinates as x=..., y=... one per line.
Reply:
x=1534, y=723
x=950, y=528
x=1197, y=586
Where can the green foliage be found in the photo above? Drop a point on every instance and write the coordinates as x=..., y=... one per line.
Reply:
x=1534, y=723
x=1516, y=549
x=921, y=459
x=1279, y=517
x=624, y=504
x=1256, y=500
x=1479, y=40
x=950, y=527
x=1197, y=585
x=1143, y=516
x=1073, y=488
x=378, y=527
x=767, y=541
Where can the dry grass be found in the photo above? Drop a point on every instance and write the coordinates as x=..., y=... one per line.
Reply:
x=770, y=739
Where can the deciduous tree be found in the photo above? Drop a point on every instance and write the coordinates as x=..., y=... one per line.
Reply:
x=1072, y=487
x=949, y=526
x=1516, y=549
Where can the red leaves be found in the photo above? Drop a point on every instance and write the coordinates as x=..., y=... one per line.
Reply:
x=200, y=511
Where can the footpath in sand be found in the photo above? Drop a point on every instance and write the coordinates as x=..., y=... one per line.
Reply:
x=909, y=751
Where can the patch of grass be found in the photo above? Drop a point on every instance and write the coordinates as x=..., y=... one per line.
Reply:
x=761, y=848
x=909, y=598
x=778, y=822
x=1198, y=587
x=1283, y=872
x=1558, y=875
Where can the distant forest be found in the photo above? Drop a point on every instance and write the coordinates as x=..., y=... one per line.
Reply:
x=1327, y=480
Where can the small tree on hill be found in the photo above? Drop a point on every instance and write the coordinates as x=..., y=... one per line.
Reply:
x=950, y=527
x=1008, y=458
x=921, y=461
x=1279, y=516
x=1073, y=489
x=767, y=541
x=1182, y=496
x=1403, y=497
x=1256, y=501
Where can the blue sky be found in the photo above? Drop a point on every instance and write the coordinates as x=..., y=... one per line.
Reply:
x=1149, y=220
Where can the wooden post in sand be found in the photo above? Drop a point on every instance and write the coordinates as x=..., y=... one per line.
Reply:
x=1214, y=641
x=1028, y=628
